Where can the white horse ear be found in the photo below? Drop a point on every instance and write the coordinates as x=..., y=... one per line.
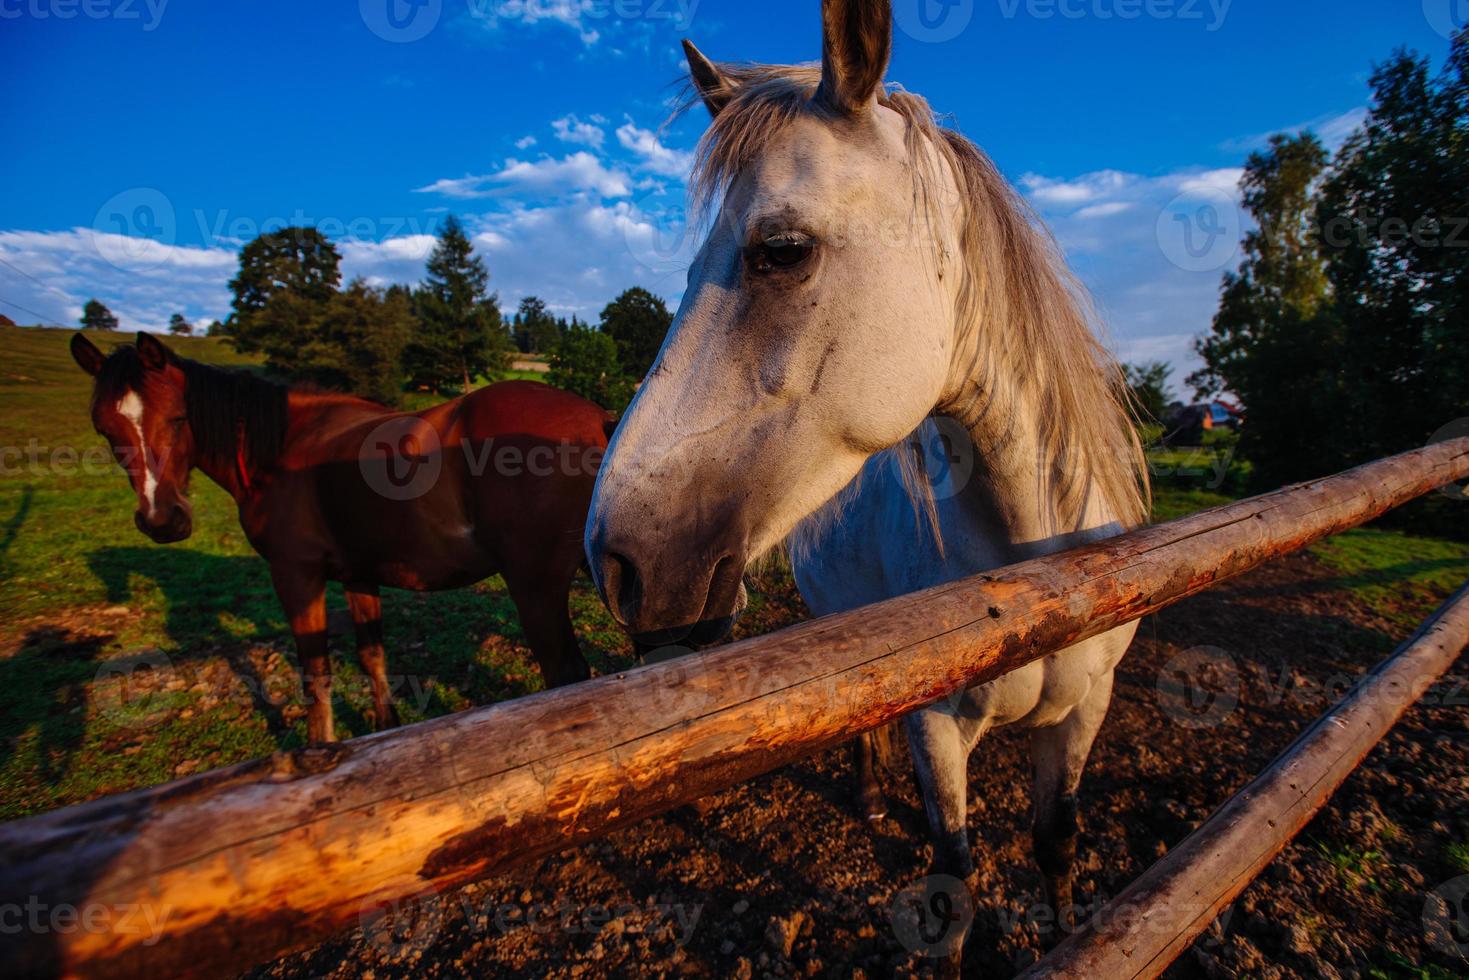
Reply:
x=857, y=41
x=714, y=88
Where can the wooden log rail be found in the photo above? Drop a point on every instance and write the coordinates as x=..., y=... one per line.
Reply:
x=212, y=874
x=1155, y=919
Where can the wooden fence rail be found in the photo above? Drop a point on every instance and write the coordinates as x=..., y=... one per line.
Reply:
x=1155, y=919
x=231, y=868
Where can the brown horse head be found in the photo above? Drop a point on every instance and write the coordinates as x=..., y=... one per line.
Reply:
x=140, y=406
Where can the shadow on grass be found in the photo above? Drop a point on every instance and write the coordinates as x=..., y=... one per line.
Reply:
x=44, y=686
x=11, y=529
x=221, y=606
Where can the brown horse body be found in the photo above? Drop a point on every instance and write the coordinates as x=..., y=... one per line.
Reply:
x=334, y=488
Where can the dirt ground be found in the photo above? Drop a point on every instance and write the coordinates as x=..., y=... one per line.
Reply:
x=780, y=877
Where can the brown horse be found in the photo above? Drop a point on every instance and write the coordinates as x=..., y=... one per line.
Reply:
x=334, y=488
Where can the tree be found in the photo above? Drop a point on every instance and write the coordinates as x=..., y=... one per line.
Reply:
x=1393, y=216
x=1149, y=386
x=352, y=342
x=638, y=321
x=1272, y=342
x=299, y=261
x=96, y=316
x=216, y=329
x=460, y=335
x=584, y=363
x=536, y=330
x=179, y=326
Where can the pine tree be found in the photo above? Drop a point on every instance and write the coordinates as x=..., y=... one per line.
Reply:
x=179, y=326
x=460, y=335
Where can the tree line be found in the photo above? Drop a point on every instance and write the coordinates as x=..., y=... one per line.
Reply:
x=1345, y=330
x=446, y=335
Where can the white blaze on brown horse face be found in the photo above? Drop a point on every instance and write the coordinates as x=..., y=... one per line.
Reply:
x=144, y=418
x=817, y=330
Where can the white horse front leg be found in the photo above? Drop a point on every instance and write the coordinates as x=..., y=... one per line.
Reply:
x=1059, y=755
x=940, y=760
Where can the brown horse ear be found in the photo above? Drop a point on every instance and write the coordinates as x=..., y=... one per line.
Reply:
x=714, y=88
x=86, y=354
x=154, y=354
x=857, y=41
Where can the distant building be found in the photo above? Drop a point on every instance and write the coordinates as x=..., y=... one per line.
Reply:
x=1186, y=424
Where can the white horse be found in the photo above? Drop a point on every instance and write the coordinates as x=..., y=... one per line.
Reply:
x=871, y=280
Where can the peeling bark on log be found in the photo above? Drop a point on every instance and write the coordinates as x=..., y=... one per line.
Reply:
x=1156, y=918
x=246, y=863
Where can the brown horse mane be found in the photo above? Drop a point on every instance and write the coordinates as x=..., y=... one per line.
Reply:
x=229, y=410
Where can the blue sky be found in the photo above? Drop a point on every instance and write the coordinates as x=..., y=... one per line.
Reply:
x=150, y=138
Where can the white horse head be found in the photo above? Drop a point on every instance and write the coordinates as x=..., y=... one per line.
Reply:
x=866, y=269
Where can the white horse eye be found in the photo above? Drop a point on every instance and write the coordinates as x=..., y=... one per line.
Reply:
x=784, y=251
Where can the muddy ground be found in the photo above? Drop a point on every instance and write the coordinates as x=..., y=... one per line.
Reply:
x=780, y=877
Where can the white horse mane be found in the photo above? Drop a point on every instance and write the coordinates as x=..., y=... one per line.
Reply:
x=1029, y=334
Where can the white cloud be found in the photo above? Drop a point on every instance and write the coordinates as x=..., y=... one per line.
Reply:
x=570, y=129
x=525, y=142
x=1120, y=232
x=1209, y=183
x=580, y=172
x=1083, y=190
x=652, y=154
x=48, y=276
x=1108, y=210
x=1332, y=129
x=573, y=14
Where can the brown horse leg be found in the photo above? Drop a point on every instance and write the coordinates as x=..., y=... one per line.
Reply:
x=303, y=593
x=1059, y=756
x=367, y=616
x=541, y=597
